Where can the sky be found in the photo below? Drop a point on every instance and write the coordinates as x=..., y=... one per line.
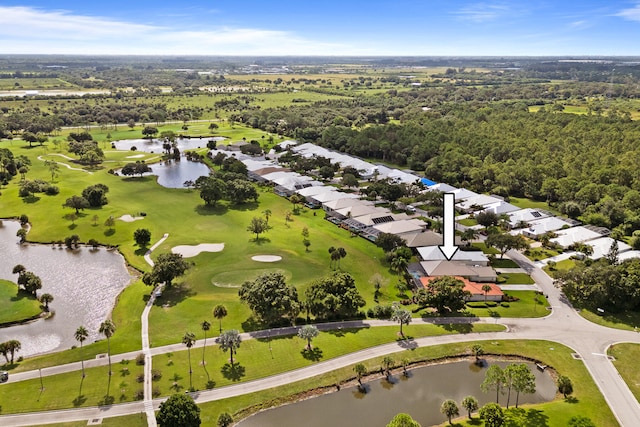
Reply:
x=329, y=27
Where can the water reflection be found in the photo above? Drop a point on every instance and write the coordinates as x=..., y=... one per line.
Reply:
x=173, y=174
x=84, y=283
x=420, y=396
x=155, y=145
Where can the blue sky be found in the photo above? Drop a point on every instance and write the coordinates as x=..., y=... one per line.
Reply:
x=330, y=27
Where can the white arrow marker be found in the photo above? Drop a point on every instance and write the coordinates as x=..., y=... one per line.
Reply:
x=449, y=227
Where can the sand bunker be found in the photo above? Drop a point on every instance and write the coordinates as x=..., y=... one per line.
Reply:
x=137, y=156
x=188, y=251
x=129, y=218
x=266, y=258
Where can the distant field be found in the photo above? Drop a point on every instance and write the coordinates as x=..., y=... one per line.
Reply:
x=34, y=83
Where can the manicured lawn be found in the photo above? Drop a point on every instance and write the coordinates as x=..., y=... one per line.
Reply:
x=514, y=279
x=588, y=401
x=261, y=358
x=503, y=263
x=70, y=390
x=531, y=304
x=485, y=249
x=627, y=320
x=626, y=362
x=16, y=306
x=524, y=203
x=536, y=254
x=469, y=222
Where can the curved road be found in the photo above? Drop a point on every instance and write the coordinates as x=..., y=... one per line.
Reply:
x=589, y=341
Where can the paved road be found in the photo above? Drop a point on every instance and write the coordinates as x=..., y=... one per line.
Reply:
x=589, y=341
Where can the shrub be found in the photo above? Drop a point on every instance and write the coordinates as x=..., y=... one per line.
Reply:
x=156, y=392
x=138, y=394
x=140, y=359
x=380, y=312
x=504, y=304
x=156, y=374
x=140, y=378
x=491, y=304
x=51, y=190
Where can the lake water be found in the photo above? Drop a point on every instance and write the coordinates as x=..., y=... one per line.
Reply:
x=84, y=284
x=420, y=396
x=155, y=145
x=173, y=174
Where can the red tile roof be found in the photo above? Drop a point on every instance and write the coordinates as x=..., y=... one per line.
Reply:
x=473, y=287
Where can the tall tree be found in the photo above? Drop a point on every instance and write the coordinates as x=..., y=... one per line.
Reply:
x=334, y=296
x=189, y=339
x=77, y=203
x=142, y=236
x=166, y=268
x=46, y=299
x=220, y=312
x=523, y=381
x=229, y=340
x=81, y=335
x=477, y=351
x=494, y=380
x=13, y=346
x=205, y=327
x=258, y=226
x=270, y=298
x=450, y=409
x=387, y=364
x=403, y=420
x=486, y=289
x=107, y=328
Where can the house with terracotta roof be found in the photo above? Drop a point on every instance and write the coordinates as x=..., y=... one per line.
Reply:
x=475, y=289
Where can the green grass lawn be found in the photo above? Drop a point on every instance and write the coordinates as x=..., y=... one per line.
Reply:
x=588, y=401
x=531, y=304
x=627, y=320
x=536, y=254
x=468, y=222
x=485, y=249
x=626, y=362
x=524, y=203
x=514, y=279
x=504, y=263
x=70, y=390
x=16, y=306
x=255, y=359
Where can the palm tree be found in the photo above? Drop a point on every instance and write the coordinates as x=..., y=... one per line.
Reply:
x=46, y=299
x=470, y=403
x=12, y=347
x=399, y=264
x=477, y=351
x=108, y=328
x=267, y=214
x=401, y=316
x=486, y=289
x=229, y=340
x=308, y=332
x=205, y=327
x=387, y=363
x=360, y=371
x=405, y=363
x=219, y=312
x=189, y=339
x=468, y=235
x=81, y=335
x=450, y=409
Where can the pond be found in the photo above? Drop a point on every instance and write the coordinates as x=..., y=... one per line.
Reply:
x=173, y=174
x=84, y=284
x=155, y=145
x=420, y=395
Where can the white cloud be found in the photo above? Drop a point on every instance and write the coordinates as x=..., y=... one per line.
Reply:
x=29, y=30
x=632, y=14
x=482, y=12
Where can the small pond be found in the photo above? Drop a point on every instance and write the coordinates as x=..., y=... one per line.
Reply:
x=420, y=395
x=84, y=284
x=173, y=174
x=155, y=145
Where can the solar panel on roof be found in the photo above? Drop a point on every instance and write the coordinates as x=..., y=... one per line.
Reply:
x=382, y=219
x=536, y=214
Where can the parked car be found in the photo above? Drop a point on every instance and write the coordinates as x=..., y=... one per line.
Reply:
x=4, y=376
